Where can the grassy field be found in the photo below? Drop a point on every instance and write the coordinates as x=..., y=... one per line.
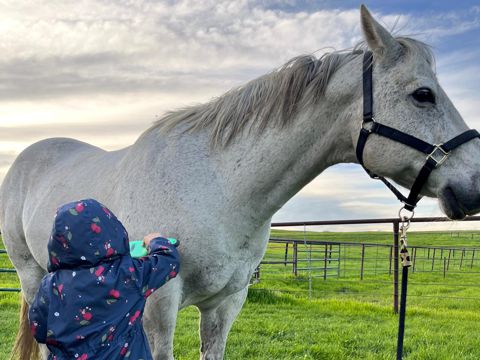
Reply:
x=345, y=318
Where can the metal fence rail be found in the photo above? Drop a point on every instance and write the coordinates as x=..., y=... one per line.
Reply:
x=357, y=256
x=332, y=258
x=5, y=270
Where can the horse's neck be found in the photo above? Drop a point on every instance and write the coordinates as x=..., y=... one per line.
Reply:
x=262, y=173
x=254, y=176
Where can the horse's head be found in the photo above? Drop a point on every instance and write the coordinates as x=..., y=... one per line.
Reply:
x=408, y=97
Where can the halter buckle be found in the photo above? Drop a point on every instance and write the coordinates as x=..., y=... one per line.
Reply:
x=438, y=155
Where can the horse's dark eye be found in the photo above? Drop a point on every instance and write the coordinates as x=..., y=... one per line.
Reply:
x=424, y=95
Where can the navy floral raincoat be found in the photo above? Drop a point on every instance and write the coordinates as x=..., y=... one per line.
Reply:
x=91, y=303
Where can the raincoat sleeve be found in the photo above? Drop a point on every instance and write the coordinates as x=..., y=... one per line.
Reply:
x=38, y=313
x=160, y=265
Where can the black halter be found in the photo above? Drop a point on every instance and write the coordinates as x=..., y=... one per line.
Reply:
x=436, y=154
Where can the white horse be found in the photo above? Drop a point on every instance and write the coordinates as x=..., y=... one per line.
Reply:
x=214, y=174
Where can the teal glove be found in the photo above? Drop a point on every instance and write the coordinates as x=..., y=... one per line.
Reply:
x=137, y=249
x=173, y=242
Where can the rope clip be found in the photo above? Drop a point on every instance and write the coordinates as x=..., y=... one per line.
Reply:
x=405, y=224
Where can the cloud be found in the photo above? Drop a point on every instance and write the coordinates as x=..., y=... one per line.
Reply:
x=93, y=47
x=345, y=191
x=6, y=159
x=98, y=47
x=101, y=71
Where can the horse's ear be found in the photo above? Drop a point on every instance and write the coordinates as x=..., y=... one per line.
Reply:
x=379, y=40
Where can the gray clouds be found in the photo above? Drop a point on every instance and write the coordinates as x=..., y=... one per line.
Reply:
x=6, y=158
x=100, y=71
x=109, y=47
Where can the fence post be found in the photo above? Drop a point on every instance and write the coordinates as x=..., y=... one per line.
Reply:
x=473, y=255
x=295, y=257
x=286, y=253
x=461, y=259
x=414, y=258
x=390, y=262
x=433, y=258
x=395, y=266
x=339, y=258
x=325, y=263
x=363, y=259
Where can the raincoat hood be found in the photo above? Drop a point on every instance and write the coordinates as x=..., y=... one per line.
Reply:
x=84, y=234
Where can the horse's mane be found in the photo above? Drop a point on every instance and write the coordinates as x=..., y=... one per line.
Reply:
x=274, y=98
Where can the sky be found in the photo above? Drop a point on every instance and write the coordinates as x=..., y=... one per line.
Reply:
x=103, y=71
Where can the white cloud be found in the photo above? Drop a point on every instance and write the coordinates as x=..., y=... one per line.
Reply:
x=82, y=69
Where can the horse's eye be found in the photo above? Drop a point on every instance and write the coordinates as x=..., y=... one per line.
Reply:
x=424, y=95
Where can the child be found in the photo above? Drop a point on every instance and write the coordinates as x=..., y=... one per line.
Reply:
x=90, y=305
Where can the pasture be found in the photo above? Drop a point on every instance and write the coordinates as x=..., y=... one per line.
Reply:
x=344, y=319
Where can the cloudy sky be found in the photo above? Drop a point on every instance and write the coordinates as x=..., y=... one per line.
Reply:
x=102, y=71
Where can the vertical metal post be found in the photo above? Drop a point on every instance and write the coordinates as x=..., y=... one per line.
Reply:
x=390, y=261
x=363, y=260
x=461, y=259
x=433, y=258
x=339, y=258
x=414, y=259
x=473, y=256
x=286, y=253
x=295, y=257
x=325, y=263
x=395, y=265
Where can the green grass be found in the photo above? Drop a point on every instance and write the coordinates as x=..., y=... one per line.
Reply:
x=9, y=306
x=346, y=318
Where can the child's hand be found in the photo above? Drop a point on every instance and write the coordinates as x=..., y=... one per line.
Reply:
x=150, y=237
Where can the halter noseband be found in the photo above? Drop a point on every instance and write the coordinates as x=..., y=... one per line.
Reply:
x=436, y=154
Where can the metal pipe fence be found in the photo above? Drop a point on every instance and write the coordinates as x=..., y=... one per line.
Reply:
x=309, y=257
x=332, y=258
x=8, y=271
x=312, y=256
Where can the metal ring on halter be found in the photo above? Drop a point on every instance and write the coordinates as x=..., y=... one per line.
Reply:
x=404, y=217
x=372, y=120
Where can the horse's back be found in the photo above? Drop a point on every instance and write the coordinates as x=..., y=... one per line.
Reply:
x=29, y=171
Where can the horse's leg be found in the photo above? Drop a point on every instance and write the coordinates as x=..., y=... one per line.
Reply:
x=215, y=325
x=160, y=318
x=30, y=274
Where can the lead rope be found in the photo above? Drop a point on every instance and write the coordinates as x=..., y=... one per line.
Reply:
x=406, y=263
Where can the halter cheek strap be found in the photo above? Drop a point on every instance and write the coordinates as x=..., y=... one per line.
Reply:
x=436, y=154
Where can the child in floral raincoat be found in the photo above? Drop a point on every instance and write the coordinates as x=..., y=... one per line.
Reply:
x=91, y=303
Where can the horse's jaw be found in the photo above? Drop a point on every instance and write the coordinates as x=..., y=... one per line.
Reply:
x=455, y=204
